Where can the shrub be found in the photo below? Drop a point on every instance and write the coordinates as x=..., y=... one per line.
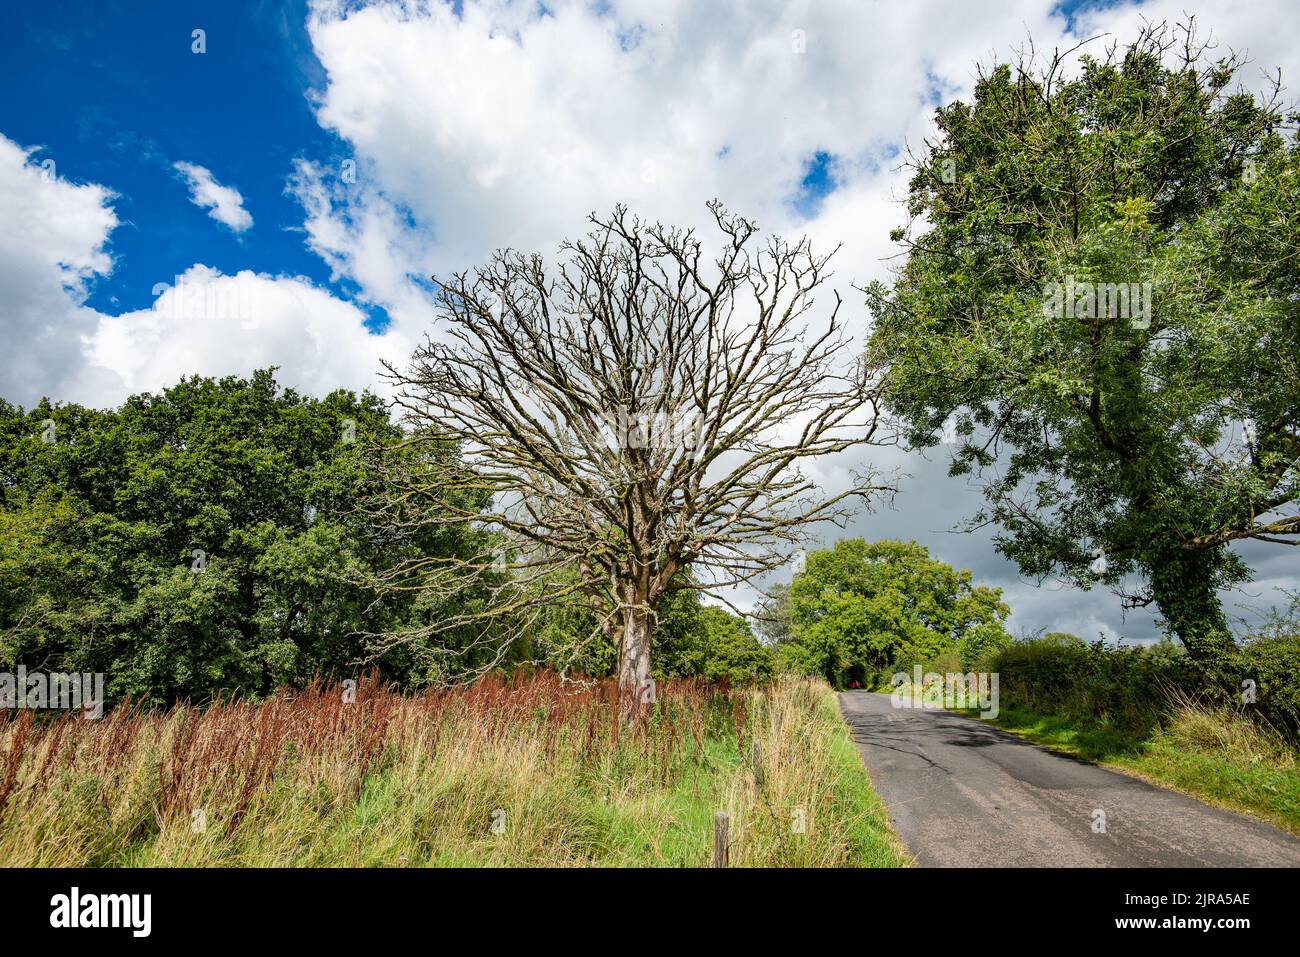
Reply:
x=981, y=643
x=1124, y=686
x=718, y=645
x=1274, y=665
x=1135, y=688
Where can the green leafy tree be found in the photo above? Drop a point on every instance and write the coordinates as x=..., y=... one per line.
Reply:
x=859, y=608
x=981, y=642
x=714, y=644
x=202, y=539
x=1100, y=297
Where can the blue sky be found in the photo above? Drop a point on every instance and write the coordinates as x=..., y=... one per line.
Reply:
x=114, y=95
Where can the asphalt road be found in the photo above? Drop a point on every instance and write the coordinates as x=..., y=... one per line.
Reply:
x=963, y=794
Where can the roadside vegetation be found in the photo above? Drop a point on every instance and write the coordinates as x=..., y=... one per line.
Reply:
x=1142, y=710
x=1131, y=443
x=529, y=771
x=1214, y=754
x=211, y=539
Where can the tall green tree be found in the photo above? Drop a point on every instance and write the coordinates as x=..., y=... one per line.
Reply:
x=695, y=639
x=1099, y=299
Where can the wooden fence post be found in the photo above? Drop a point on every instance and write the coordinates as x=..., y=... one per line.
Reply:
x=721, y=839
x=758, y=765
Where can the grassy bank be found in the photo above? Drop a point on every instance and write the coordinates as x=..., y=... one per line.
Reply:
x=522, y=773
x=1216, y=755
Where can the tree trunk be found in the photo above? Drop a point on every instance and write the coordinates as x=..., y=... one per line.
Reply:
x=636, y=693
x=1182, y=584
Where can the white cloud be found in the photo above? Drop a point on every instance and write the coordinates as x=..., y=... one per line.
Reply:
x=53, y=244
x=365, y=238
x=507, y=124
x=213, y=325
x=505, y=127
x=225, y=204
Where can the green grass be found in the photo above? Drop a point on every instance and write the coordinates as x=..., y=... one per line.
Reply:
x=874, y=842
x=307, y=781
x=1218, y=756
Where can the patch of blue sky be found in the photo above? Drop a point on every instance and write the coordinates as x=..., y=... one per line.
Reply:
x=817, y=183
x=115, y=94
x=1070, y=9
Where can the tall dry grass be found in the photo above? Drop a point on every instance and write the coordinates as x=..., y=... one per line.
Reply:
x=530, y=771
x=1218, y=729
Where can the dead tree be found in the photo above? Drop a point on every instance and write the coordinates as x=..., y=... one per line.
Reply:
x=643, y=410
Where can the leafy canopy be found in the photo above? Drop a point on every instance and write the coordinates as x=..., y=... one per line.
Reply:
x=198, y=540
x=1116, y=438
x=859, y=608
